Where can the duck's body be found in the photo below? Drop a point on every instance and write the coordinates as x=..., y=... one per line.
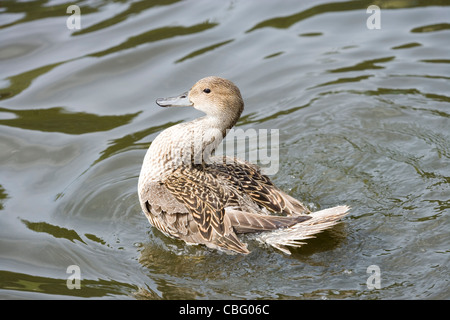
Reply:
x=190, y=195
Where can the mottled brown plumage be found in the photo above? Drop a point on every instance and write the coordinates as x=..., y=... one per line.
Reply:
x=190, y=195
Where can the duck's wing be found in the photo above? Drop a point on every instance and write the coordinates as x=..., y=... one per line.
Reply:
x=162, y=209
x=247, y=177
x=204, y=198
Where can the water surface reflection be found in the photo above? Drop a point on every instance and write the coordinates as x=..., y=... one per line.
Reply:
x=363, y=119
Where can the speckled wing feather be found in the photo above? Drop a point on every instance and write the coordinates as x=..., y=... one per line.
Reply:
x=163, y=210
x=205, y=199
x=248, y=178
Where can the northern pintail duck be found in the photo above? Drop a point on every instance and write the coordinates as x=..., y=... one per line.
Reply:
x=189, y=194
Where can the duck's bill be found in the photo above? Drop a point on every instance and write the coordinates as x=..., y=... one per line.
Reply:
x=179, y=101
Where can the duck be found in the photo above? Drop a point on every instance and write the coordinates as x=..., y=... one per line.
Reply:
x=189, y=193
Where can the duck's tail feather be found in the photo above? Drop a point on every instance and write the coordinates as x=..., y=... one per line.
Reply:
x=246, y=222
x=282, y=239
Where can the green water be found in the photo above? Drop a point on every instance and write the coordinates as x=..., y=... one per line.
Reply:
x=363, y=118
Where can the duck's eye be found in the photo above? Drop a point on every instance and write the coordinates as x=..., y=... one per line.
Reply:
x=206, y=90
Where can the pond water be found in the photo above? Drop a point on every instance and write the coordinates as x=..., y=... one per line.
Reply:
x=363, y=116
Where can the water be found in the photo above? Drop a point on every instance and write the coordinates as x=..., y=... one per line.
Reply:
x=363, y=117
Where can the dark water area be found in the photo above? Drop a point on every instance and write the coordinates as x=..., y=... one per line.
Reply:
x=363, y=117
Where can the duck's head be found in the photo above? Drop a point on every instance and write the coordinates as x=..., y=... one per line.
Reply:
x=215, y=96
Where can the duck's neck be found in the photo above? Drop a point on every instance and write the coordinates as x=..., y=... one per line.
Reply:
x=184, y=145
